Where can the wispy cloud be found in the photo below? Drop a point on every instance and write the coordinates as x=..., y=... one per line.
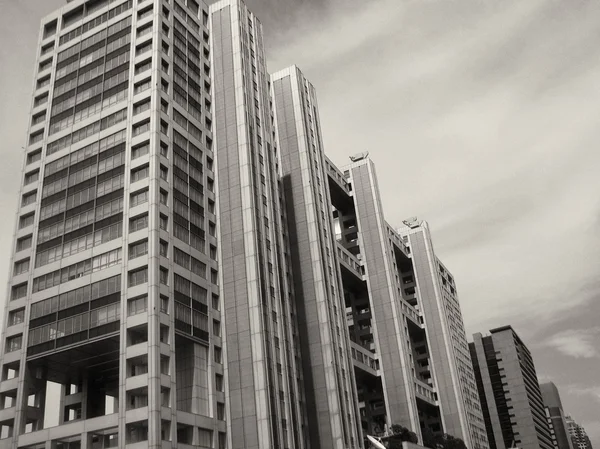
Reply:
x=578, y=343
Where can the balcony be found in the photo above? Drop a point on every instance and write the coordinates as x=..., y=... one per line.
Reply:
x=364, y=359
x=350, y=262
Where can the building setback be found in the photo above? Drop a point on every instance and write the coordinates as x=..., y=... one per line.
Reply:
x=559, y=428
x=509, y=391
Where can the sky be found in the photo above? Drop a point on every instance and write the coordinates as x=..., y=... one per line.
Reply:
x=482, y=118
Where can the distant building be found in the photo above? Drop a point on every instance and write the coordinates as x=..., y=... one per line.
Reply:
x=578, y=434
x=556, y=417
x=509, y=391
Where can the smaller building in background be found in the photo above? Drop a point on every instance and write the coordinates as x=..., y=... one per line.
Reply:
x=556, y=417
x=578, y=434
x=509, y=391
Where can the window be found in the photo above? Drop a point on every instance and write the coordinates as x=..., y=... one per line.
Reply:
x=137, y=305
x=164, y=248
x=34, y=156
x=218, y=355
x=43, y=82
x=19, y=291
x=138, y=249
x=145, y=12
x=212, y=228
x=143, y=66
x=40, y=99
x=215, y=302
x=163, y=197
x=32, y=177
x=138, y=198
x=213, y=252
x=141, y=127
x=140, y=150
x=22, y=266
x=164, y=173
x=145, y=29
x=26, y=220
x=214, y=277
x=217, y=328
x=219, y=382
x=164, y=127
x=164, y=222
x=220, y=411
x=45, y=65
x=28, y=198
x=137, y=174
x=142, y=106
x=16, y=317
x=164, y=85
x=142, y=86
x=24, y=243
x=137, y=277
x=38, y=118
x=164, y=304
x=14, y=343
x=137, y=223
x=143, y=48
x=164, y=149
x=164, y=276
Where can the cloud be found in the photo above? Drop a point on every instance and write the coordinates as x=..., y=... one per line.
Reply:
x=578, y=343
x=578, y=390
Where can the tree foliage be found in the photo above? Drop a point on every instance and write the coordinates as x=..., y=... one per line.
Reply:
x=442, y=441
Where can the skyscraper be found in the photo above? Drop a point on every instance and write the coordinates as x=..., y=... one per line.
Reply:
x=579, y=436
x=561, y=439
x=509, y=391
x=329, y=377
x=411, y=358
x=435, y=294
x=114, y=294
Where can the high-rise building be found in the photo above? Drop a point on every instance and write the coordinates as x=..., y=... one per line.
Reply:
x=559, y=429
x=509, y=390
x=435, y=294
x=329, y=377
x=114, y=293
x=579, y=436
x=410, y=354
x=263, y=360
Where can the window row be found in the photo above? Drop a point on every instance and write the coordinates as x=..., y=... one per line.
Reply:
x=77, y=270
x=75, y=297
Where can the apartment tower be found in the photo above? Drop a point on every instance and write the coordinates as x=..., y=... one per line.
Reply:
x=509, y=390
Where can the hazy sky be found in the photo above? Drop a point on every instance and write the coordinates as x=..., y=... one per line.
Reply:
x=482, y=117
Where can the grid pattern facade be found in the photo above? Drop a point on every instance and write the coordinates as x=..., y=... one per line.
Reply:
x=115, y=289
